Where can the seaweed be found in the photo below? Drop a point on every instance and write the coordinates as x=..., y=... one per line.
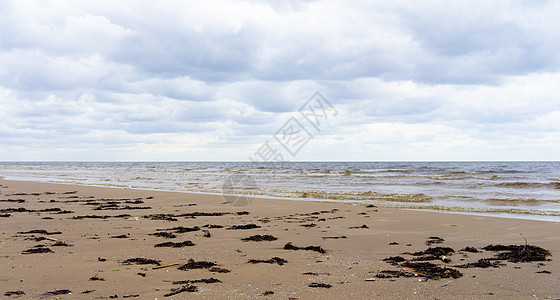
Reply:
x=519, y=253
x=437, y=251
x=432, y=271
x=290, y=246
x=161, y=217
x=246, y=226
x=192, y=264
x=175, y=245
x=13, y=210
x=359, y=227
x=470, y=249
x=393, y=274
x=50, y=209
x=205, y=280
x=320, y=285
x=59, y=292
x=219, y=270
x=141, y=261
x=260, y=238
x=309, y=225
x=14, y=293
x=204, y=214
x=167, y=235
x=90, y=217
x=434, y=240
x=122, y=236
x=185, y=288
x=481, y=263
x=137, y=201
x=274, y=260
x=37, y=250
x=96, y=278
x=61, y=244
x=210, y=226
x=13, y=200
x=181, y=229
x=41, y=231
x=334, y=237
x=394, y=260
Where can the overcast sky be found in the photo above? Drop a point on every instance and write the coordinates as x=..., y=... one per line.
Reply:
x=215, y=80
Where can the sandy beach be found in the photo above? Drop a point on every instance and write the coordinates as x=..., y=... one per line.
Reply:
x=66, y=241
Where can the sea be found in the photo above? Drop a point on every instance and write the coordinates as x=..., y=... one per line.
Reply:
x=522, y=190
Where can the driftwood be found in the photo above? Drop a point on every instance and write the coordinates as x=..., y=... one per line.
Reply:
x=165, y=266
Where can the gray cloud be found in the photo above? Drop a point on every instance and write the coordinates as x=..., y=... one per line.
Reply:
x=194, y=78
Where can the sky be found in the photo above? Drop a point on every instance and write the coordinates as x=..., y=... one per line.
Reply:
x=226, y=80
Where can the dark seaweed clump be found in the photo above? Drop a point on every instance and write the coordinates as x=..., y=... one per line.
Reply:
x=394, y=260
x=334, y=237
x=37, y=250
x=519, y=253
x=167, y=235
x=470, y=249
x=14, y=293
x=61, y=244
x=481, y=263
x=290, y=246
x=274, y=260
x=181, y=229
x=259, y=238
x=192, y=264
x=59, y=292
x=41, y=231
x=393, y=274
x=247, y=226
x=212, y=226
x=141, y=261
x=432, y=271
x=122, y=236
x=96, y=278
x=433, y=253
x=205, y=280
x=434, y=240
x=321, y=285
x=185, y=288
x=161, y=217
x=175, y=245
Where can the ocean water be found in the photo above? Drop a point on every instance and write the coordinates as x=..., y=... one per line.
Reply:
x=525, y=190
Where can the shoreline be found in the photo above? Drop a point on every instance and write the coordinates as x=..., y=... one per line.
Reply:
x=353, y=254
x=531, y=217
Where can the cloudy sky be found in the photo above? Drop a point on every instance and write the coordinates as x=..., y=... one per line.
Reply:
x=215, y=80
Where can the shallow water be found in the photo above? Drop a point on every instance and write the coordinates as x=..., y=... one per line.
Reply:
x=528, y=190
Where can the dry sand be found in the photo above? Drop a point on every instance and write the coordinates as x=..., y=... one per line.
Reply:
x=345, y=265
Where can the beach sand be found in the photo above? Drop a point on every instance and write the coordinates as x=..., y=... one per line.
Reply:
x=351, y=266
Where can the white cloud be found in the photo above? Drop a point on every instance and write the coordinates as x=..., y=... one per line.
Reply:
x=175, y=80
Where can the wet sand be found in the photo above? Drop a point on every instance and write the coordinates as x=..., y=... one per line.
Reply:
x=91, y=242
